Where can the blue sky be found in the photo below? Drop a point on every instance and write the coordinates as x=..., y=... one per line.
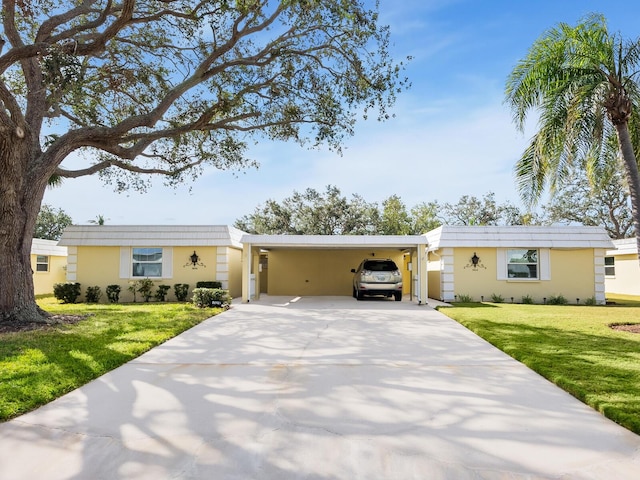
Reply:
x=451, y=135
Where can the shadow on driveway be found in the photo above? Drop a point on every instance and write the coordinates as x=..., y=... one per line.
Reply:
x=319, y=388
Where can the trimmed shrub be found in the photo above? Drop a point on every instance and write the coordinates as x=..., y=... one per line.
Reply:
x=161, y=293
x=591, y=301
x=113, y=293
x=212, y=284
x=145, y=288
x=557, y=300
x=93, y=294
x=495, y=298
x=133, y=288
x=181, y=290
x=67, y=292
x=211, y=297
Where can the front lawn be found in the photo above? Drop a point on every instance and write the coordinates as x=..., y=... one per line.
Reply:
x=38, y=366
x=573, y=346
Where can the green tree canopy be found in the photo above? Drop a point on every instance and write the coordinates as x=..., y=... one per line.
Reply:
x=424, y=217
x=605, y=203
x=313, y=213
x=471, y=210
x=395, y=219
x=51, y=222
x=330, y=213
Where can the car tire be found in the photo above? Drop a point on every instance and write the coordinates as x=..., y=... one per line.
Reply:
x=398, y=296
x=359, y=295
x=354, y=293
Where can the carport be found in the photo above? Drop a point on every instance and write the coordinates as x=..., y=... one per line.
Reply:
x=318, y=265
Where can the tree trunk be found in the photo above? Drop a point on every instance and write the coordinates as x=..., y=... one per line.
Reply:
x=21, y=193
x=633, y=178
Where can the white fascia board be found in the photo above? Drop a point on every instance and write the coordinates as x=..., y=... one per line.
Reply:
x=151, y=235
x=335, y=241
x=520, y=236
x=51, y=248
x=624, y=246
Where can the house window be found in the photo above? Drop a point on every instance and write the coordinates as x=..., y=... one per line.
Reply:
x=42, y=263
x=147, y=262
x=522, y=263
x=609, y=266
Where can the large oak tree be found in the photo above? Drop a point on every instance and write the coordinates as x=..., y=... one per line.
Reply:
x=169, y=87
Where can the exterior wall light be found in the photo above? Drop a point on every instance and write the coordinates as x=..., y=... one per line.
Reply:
x=194, y=261
x=475, y=263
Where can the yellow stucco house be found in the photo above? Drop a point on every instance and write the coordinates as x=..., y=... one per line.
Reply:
x=450, y=261
x=621, y=267
x=517, y=261
x=102, y=255
x=49, y=264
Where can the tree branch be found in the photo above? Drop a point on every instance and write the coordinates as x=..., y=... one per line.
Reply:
x=97, y=167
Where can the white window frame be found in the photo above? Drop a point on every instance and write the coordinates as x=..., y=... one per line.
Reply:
x=39, y=263
x=146, y=252
x=126, y=262
x=610, y=267
x=544, y=264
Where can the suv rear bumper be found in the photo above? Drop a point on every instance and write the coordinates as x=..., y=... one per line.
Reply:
x=380, y=288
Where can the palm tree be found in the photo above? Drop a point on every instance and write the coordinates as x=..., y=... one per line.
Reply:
x=99, y=220
x=582, y=81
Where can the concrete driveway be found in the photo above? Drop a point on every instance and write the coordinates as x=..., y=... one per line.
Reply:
x=319, y=388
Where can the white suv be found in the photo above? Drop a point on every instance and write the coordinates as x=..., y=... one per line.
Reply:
x=377, y=276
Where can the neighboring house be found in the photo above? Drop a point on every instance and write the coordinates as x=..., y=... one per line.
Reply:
x=621, y=268
x=518, y=261
x=49, y=263
x=102, y=255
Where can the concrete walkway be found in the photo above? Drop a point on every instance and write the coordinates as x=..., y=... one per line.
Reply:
x=319, y=388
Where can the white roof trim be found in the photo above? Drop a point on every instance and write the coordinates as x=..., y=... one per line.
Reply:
x=40, y=246
x=624, y=246
x=334, y=241
x=152, y=236
x=518, y=236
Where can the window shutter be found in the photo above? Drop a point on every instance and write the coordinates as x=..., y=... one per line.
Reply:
x=502, y=263
x=545, y=264
x=125, y=262
x=167, y=262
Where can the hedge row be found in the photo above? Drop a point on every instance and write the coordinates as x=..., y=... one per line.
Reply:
x=205, y=294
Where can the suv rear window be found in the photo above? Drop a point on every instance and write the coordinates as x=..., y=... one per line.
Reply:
x=380, y=266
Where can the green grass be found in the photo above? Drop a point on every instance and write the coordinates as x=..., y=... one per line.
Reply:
x=571, y=346
x=39, y=366
x=625, y=300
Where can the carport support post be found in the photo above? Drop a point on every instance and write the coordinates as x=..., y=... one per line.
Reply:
x=255, y=255
x=247, y=249
x=423, y=291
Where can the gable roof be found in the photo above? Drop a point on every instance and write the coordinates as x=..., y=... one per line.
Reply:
x=624, y=246
x=40, y=246
x=518, y=236
x=151, y=235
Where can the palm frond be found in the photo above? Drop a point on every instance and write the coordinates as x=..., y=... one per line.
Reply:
x=566, y=77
